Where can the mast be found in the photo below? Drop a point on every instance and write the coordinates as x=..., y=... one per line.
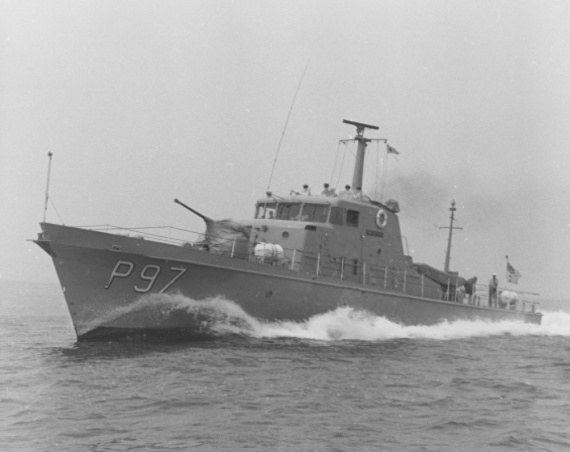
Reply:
x=451, y=228
x=47, y=185
x=362, y=143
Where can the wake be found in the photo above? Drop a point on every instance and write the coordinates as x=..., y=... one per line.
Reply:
x=218, y=316
x=349, y=324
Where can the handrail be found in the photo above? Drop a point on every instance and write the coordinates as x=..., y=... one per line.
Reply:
x=142, y=231
x=365, y=273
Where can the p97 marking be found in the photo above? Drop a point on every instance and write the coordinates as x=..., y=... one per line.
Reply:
x=149, y=273
x=116, y=273
x=180, y=270
x=150, y=278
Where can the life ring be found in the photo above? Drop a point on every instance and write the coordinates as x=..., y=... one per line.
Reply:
x=381, y=219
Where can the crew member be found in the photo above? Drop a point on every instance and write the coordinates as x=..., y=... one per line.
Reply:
x=327, y=191
x=470, y=289
x=306, y=191
x=358, y=196
x=346, y=193
x=493, y=286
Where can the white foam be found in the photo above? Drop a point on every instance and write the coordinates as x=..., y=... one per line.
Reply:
x=220, y=312
x=226, y=317
x=346, y=323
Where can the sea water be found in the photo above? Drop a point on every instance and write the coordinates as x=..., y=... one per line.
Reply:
x=342, y=381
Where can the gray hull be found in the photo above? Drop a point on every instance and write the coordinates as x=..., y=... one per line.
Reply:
x=121, y=285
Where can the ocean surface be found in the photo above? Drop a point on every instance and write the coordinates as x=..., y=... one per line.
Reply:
x=343, y=381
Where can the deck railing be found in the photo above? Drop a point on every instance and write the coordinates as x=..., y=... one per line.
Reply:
x=317, y=264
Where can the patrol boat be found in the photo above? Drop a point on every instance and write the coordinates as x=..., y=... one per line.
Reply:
x=299, y=256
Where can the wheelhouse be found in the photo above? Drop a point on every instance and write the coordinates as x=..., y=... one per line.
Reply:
x=312, y=211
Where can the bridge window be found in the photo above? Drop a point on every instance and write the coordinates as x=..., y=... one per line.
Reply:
x=288, y=211
x=315, y=212
x=352, y=218
x=266, y=210
x=337, y=215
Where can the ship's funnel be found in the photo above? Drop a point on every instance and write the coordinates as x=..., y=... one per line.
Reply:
x=362, y=142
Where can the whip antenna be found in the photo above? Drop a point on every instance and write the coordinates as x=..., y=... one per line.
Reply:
x=47, y=185
x=285, y=127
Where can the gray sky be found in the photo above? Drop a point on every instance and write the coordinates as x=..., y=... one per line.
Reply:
x=144, y=101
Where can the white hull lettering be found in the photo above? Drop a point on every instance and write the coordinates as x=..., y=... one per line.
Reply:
x=149, y=273
x=180, y=270
x=150, y=278
x=116, y=273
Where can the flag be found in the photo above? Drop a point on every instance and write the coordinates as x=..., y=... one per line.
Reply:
x=392, y=150
x=512, y=274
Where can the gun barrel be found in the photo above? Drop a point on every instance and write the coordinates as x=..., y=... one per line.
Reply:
x=204, y=217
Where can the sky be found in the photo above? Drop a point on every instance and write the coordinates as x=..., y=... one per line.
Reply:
x=141, y=102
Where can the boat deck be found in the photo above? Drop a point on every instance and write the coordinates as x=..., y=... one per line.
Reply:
x=381, y=277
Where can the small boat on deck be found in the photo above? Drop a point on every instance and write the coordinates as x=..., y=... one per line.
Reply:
x=300, y=256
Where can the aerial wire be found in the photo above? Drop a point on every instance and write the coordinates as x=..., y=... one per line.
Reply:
x=285, y=127
x=334, y=166
x=342, y=164
x=384, y=171
x=56, y=211
x=377, y=168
